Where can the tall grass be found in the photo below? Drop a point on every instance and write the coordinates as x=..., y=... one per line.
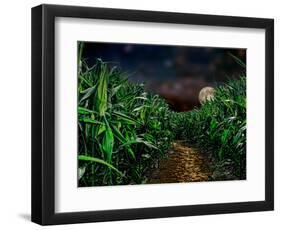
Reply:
x=122, y=129
x=219, y=127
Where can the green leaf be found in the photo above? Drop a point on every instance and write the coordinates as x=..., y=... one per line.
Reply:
x=100, y=161
x=80, y=51
x=142, y=98
x=221, y=154
x=140, y=140
x=238, y=61
x=115, y=89
x=107, y=144
x=82, y=78
x=101, y=92
x=87, y=93
x=140, y=107
x=224, y=136
x=123, y=140
x=147, y=143
x=101, y=129
x=90, y=120
x=85, y=111
x=124, y=117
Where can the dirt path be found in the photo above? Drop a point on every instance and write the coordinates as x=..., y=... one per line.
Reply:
x=183, y=164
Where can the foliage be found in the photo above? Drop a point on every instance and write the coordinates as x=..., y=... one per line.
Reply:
x=219, y=126
x=122, y=129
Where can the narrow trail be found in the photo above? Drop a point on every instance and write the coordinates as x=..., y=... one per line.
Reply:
x=183, y=164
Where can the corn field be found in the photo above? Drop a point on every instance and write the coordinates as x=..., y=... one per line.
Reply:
x=219, y=127
x=123, y=130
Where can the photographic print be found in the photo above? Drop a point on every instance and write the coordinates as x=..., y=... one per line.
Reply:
x=161, y=106
x=152, y=114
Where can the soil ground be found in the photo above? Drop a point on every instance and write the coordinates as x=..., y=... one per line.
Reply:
x=182, y=164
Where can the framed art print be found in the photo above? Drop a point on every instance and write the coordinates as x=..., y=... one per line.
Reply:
x=142, y=114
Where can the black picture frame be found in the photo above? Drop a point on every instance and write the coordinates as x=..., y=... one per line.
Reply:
x=43, y=114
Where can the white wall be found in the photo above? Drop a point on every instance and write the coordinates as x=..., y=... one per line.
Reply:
x=15, y=113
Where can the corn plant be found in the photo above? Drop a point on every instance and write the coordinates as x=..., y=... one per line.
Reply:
x=122, y=129
x=219, y=126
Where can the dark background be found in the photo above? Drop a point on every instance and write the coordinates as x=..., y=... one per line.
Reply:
x=177, y=73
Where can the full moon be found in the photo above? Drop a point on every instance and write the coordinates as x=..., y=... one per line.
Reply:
x=206, y=94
